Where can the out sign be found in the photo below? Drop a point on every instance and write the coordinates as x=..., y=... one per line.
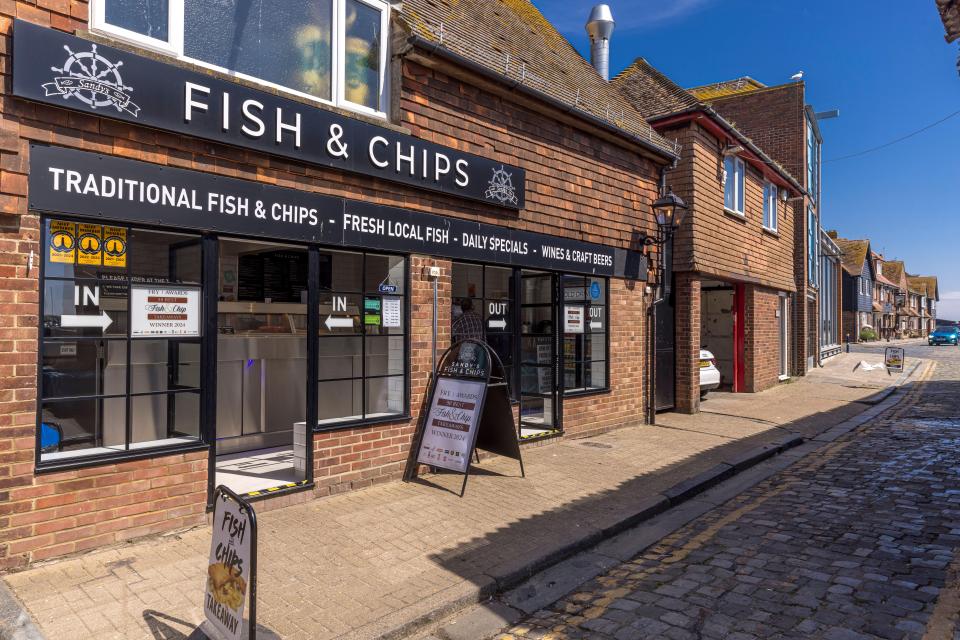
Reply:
x=596, y=318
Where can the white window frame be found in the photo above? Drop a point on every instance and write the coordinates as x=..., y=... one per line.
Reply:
x=737, y=180
x=175, y=47
x=770, y=193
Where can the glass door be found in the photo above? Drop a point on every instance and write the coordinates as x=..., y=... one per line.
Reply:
x=539, y=402
x=783, y=312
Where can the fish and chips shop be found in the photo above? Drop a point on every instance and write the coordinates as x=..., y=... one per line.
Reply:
x=222, y=272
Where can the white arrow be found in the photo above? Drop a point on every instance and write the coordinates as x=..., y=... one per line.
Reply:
x=596, y=325
x=103, y=321
x=338, y=323
x=497, y=324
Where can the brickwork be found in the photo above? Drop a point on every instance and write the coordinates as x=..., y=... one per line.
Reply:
x=43, y=516
x=687, y=347
x=715, y=244
x=774, y=118
x=579, y=185
x=761, y=339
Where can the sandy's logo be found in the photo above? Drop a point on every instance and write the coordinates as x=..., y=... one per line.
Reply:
x=93, y=80
x=500, y=187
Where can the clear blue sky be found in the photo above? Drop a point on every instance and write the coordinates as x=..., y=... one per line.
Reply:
x=884, y=64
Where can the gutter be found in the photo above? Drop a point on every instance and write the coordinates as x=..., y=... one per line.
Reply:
x=436, y=49
x=735, y=133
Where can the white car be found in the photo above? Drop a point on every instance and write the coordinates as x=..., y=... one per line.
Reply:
x=709, y=374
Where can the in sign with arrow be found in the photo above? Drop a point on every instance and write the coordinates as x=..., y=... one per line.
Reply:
x=86, y=296
x=338, y=322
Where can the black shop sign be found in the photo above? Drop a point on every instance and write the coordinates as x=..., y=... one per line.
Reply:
x=65, y=71
x=67, y=181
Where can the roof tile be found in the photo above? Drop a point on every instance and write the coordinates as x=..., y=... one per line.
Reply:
x=512, y=38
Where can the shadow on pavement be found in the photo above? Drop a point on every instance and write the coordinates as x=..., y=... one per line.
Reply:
x=519, y=549
x=160, y=626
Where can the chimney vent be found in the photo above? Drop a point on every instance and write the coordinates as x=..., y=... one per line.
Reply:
x=600, y=28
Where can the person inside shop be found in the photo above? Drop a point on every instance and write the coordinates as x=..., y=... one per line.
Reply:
x=469, y=324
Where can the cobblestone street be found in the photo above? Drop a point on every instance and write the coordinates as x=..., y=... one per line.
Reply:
x=856, y=540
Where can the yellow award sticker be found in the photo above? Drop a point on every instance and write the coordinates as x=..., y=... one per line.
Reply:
x=63, y=241
x=115, y=247
x=89, y=243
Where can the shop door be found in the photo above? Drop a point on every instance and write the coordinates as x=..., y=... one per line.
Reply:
x=539, y=397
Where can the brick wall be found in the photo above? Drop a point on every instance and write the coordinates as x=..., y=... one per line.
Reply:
x=687, y=347
x=579, y=185
x=774, y=118
x=59, y=513
x=761, y=339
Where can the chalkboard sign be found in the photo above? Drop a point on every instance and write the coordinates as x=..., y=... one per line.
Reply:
x=468, y=409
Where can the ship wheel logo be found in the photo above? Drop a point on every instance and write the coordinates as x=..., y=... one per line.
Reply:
x=500, y=187
x=93, y=80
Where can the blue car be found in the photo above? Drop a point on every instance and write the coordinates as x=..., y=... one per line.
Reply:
x=946, y=335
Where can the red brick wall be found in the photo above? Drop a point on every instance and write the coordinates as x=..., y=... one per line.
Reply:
x=687, y=347
x=58, y=513
x=578, y=185
x=761, y=339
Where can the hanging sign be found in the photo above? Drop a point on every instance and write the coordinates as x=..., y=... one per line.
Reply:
x=130, y=191
x=893, y=358
x=572, y=318
x=59, y=69
x=231, y=571
x=164, y=311
x=469, y=408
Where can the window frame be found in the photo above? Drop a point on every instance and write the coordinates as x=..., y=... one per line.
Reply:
x=334, y=424
x=738, y=182
x=577, y=392
x=175, y=48
x=770, y=213
x=129, y=451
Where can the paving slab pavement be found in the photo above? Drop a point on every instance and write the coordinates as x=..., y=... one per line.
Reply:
x=383, y=561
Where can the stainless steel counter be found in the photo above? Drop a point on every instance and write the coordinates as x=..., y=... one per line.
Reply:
x=261, y=390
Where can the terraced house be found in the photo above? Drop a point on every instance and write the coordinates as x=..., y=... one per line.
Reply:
x=235, y=241
x=734, y=289
x=930, y=295
x=779, y=120
x=859, y=277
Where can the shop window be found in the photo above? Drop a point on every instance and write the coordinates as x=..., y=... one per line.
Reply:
x=119, y=340
x=330, y=50
x=362, y=353
x=483, y=308
x=770, y=206
x=733, y=170
x=585, y=334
